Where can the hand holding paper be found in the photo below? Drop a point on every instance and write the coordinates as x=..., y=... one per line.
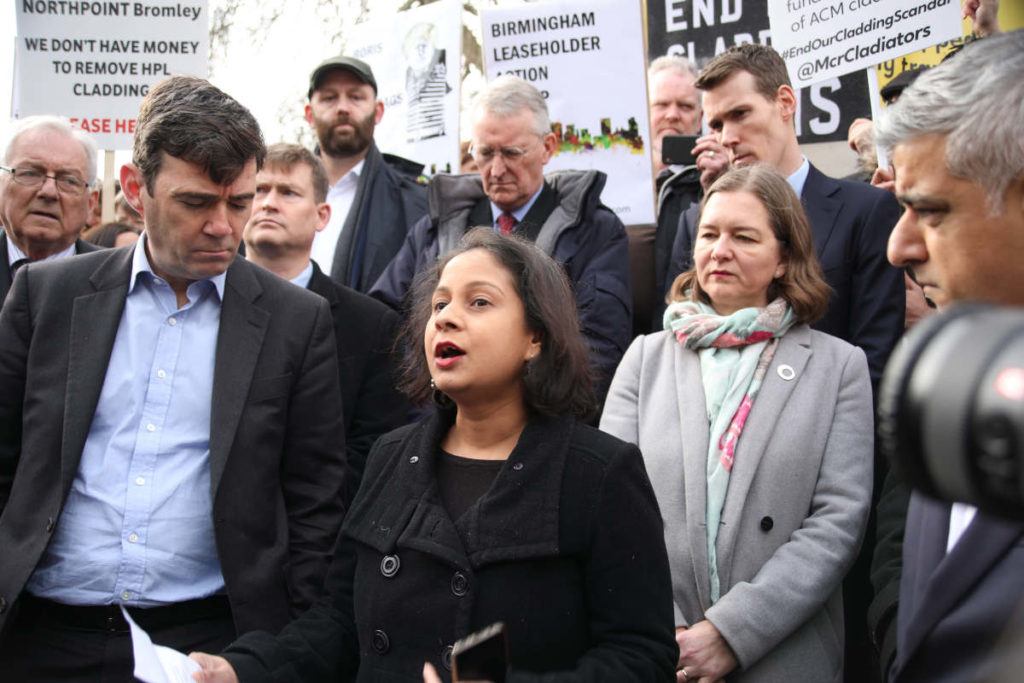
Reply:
x=156, y=663
x=215, y=669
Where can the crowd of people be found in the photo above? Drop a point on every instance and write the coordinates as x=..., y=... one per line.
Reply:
x=308, y=416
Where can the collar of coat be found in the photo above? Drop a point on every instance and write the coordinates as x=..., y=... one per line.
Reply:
x=399, y=507
x=450, y=198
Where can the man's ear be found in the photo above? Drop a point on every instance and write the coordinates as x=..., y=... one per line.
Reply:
x=378, y=112
x=94, y=200
x=549, y=142
x=323, y=216
x=785, y=100
x=132, y=185
x=309, y=114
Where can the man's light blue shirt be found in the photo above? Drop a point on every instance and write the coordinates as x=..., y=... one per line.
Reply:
x=303, y=278
x=137, y=526
x=519, y=214
x=799, y=178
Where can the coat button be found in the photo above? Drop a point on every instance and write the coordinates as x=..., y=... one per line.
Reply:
x=49, y=525
x=389, y=565
x=380, y=642
x=460, y=584
x=446, y=657
x=767, y=523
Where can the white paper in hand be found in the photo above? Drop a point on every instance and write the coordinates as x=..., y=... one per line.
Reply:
x=156, y=663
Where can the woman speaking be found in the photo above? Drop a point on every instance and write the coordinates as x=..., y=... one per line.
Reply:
x=757, y=435
x=501, y=506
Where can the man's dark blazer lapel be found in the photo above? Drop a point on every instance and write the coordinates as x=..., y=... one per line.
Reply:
x=822, y=203
x=243, y=325
x=81, y=247
x=5, y=268
x=941, y=579
x=95, y=316
x=321, y=284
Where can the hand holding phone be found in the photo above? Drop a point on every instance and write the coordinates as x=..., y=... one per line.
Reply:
x=481, y=656
x=677, y=150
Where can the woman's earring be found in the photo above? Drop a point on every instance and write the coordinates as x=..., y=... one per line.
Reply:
x=441, y=399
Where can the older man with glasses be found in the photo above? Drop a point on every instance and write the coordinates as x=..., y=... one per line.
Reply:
x=42, y=219
x=561, y=212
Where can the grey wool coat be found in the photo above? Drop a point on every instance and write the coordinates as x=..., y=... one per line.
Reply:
x=797, y=503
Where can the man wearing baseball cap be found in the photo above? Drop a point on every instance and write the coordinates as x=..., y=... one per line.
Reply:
x=374, y=197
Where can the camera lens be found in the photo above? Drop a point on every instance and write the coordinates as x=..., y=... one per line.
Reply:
x=951, y=407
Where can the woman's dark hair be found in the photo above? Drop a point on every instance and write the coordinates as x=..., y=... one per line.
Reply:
x=803, y=284
x=106, y=234
x=559, y=379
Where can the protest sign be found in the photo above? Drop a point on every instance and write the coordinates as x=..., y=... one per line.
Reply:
x=821, y=39
x=93, y=62
x=587, y=58
x=1010, y=17
x=701, y=29
x=419, y=84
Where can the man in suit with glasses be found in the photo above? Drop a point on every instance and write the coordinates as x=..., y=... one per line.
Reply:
x=46, y=193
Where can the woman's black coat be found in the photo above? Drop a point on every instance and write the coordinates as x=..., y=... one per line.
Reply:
x=566, y=548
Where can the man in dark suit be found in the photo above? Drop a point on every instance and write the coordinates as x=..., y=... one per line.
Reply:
x=375, y=198
x=46, y=195
x=750, y=105
x=171, y=435
x=288, y=210
x=954, y=141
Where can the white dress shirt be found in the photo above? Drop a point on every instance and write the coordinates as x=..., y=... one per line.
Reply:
x=340, y=196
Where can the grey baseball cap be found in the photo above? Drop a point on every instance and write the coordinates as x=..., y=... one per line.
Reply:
x=356, y=67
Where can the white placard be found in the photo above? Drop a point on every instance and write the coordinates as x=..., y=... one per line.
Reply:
x=93, y=62
x=588, y=60
x=415, y=57
x=822, y=39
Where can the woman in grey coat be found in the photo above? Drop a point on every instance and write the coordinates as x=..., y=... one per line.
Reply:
x=757, y=435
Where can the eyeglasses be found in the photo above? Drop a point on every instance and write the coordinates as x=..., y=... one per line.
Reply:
x=484, y=156
x=67, y=183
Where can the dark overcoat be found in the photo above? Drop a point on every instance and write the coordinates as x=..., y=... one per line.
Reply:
x=565, y=548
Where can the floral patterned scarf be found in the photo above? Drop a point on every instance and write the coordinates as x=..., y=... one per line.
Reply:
x=735, y=351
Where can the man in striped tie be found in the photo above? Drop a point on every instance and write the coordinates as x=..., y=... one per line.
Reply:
x=562, y=212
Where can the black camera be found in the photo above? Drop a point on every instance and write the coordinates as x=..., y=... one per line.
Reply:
x=951, y=407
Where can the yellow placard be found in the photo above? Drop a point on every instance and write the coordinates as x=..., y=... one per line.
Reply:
x=1011, y=16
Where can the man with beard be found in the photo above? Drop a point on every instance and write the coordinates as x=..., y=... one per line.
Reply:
x=375, y=198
